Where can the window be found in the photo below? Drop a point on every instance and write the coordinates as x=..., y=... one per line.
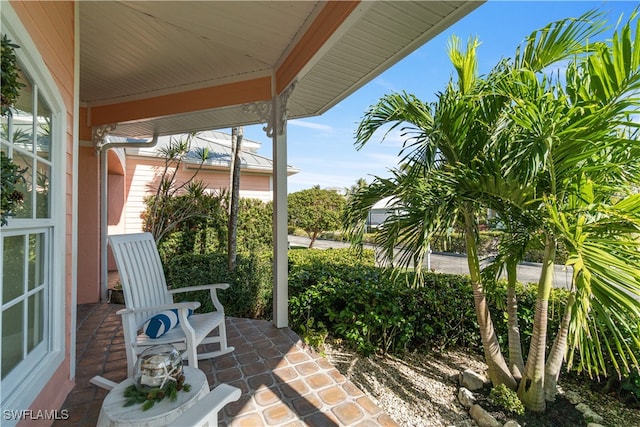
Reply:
x=32, y=241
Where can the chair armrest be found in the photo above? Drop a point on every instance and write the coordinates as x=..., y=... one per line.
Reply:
x=212, y=290
x=205, y=411
x=193, y=305
x=212, y=286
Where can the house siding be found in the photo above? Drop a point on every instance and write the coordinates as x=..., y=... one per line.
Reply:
x=142, y=176
x=88, y=225
x=51, y=26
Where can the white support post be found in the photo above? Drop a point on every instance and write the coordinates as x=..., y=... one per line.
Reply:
x=280, y=234
x=100, y=142
x=274, y=113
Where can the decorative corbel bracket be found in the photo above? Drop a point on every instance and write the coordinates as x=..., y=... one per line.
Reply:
x=264, y=111
x=100, y=135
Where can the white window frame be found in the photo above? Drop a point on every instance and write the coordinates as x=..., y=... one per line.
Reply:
x=34, y=381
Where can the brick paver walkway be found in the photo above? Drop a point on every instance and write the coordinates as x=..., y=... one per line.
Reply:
x=283, y=382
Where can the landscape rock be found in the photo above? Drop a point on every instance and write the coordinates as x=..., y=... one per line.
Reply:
x=472, y=380
x=594, y=425
x=455, y=378
x=573, y=397
x=482, y=417
x=589, y=415
x=511, y=423
x=582, y=407
x=466, y=397
x=592, y=417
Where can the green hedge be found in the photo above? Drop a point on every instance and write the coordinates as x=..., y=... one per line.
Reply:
x=208, y=233
x=339, y=294
x=250, y=293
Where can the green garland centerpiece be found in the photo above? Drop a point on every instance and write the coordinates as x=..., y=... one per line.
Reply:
x=158, y=373
x=149, y=398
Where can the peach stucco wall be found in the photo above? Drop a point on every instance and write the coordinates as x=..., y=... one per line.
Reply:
x=51, y=26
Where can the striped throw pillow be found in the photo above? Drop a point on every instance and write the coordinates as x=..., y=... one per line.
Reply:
x=162, y=322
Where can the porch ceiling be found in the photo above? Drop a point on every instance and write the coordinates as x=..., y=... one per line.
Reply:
x=177, y=66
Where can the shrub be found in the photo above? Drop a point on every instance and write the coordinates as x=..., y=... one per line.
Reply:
x=315, y=211
x=336, y=292
x=206, y=231
x=632, y=384
x=506, y=398
x=250, y=293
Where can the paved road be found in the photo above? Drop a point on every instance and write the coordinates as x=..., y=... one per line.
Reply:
x=456, y=264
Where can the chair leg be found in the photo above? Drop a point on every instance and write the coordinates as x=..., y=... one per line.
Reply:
x=192, y=354
x=132, y=358
x=221, y=340
x=222, y=332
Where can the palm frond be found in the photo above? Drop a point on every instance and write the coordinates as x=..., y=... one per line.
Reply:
x=559, y=40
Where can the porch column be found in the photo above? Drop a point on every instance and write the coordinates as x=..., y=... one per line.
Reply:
x=100, y=142
x=274, y=113
x=280, y=216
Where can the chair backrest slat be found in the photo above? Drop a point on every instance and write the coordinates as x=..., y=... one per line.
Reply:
x=141, y=273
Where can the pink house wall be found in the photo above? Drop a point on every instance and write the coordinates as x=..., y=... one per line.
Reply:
x=142, y=175
x=128, y=185
x=51, y=26
x=88, y=226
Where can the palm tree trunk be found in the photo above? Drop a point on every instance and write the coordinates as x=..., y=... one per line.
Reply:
x=498, y=369
x=516, y=364
x=234, y=196
x=556, y=356
x=531, y=390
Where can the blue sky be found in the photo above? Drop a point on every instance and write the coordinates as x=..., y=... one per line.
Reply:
x=322, y=147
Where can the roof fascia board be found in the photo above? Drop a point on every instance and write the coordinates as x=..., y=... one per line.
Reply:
x=317, y=39
x=252, y=170
x=237, y=93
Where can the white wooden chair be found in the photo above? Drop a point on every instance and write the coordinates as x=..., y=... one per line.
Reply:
x=205, y=412
x=146, y=293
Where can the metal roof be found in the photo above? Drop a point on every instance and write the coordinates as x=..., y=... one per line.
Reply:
x=218, y=146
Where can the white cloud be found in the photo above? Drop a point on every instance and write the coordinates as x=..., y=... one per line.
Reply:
x=306, y=180
x=340, y=173
x=310, y=125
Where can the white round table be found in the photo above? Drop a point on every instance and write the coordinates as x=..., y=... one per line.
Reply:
x=114, y=413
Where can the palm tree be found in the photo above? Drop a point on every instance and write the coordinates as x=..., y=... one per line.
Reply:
x=556, y=130
x=359, y=185
x=445, y=140
x=514, y=141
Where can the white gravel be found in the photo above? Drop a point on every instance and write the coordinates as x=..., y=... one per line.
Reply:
x=421, y=389
x=417, y=390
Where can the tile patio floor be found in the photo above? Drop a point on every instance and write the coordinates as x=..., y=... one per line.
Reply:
x=283, y=382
